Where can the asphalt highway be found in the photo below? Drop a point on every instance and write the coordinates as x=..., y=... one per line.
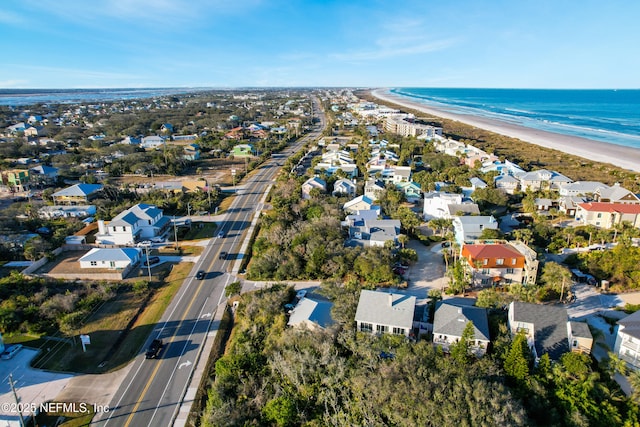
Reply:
x=151, y=393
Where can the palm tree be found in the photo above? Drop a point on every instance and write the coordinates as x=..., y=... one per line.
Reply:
x=403, y=239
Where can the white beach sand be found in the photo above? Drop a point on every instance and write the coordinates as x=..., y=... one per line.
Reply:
x=618, y=155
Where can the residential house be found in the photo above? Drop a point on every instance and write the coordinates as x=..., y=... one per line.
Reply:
x=43, y=175
x=446, y=205
x=396, y=174
x=61, y=211
x=111, y=258
x=545, y=326
x=166, y=128
x=374, y=188
x=412, y=191
x=373, y=232
x=78, y=194
x=581, y=188
x=358, y=218
x=152, y=142
x=580, y=338
x=506, y=183
x=17, y=180
x=191, y=152
x=607, y=215
x=130, y=140
x=500, y=263
x=140, y=222
x=450, y=320
x=311, y=314
x=542, y=179
x=616, y=194
x=311, y=184
x=243, y=150
x=344, y=187
x=385, y=313
x=469, y=228
x=569, y=204
x=360, y=203
x=627, y=345
x=333, y=161
x=543, y=204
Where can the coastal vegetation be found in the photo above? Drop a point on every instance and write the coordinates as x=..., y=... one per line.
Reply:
x=272, y=374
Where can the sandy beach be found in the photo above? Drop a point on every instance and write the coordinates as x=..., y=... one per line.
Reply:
x=618, y=155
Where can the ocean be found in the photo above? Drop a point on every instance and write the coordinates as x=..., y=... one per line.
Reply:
x=21, y=97
x=611, y=116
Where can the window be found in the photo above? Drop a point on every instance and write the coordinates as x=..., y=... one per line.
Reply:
x=485, y=261
x=124, y=228
x=575, y=343
x=509, y=270
x=149, y=222
x=485, y=271
x=366, y=327
x=513, y=261
x=599, y=215
x=499, y=261
x=398, y=331
x=382, y=329
x=485, y=281
x=112, y=263
x=94, y=263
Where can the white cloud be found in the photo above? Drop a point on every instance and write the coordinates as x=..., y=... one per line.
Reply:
x=6, y=84
x=11, y=18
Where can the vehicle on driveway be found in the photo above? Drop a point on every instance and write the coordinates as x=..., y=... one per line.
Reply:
x=152, y=260
x=11, y=351
x=154, y=349
x=200, y=274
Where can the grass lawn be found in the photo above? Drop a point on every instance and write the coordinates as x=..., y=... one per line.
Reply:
x=63, y=419
x=112, y=344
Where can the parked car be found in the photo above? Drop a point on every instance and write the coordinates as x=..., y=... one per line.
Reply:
x=157, y=240
x=152, y=260
x=11, y=351
x=223, y=255
x=144, y=244
x=200, y=274
x=154, y=349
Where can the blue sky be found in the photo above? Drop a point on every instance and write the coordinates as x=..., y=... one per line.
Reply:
x=372, y=43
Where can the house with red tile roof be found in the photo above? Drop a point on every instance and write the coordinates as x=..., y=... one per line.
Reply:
x=500, y=263
x=606, y=215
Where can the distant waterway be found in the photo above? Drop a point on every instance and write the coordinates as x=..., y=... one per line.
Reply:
x=611, y=116
x=21, y=97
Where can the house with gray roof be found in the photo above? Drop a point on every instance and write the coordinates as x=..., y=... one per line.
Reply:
x=581, y=188
x=311, y=314
x=580, y=337
x=542, y=179
x=140, y=222
x=616, y=194
x=373, y=232
x=451, y=318
x=469, y=228
x=506, y=183
x=111, y=258
x=545, y=326
x=345, y=187
x=313, y=183
x=79, y=194
x=385, y=313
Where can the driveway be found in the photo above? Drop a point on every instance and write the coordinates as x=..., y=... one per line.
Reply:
x=427, y=273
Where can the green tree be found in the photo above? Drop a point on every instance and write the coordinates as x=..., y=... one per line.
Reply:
x=516, y=363
x=281, y=411
x=460, y=351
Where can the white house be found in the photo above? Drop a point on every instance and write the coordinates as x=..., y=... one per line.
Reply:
x=344, y=187
x=312, y=183
x=360, y=203
x=152, y=142
x=385, y=313
x=469, y=228
x=113, y=259
x=373, y=189
x=436, y=204
x=140, y=222
x=628, y=340
x=581, y=188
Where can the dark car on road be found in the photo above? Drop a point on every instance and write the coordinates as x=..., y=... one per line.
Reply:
x=200, y=274
x=223, y=255
x=154, y=349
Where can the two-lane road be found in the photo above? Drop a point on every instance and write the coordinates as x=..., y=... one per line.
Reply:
x=152, y=392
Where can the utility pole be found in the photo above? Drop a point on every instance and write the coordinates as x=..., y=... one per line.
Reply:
x=175, y=231
x=148, y=264
x=15, y=396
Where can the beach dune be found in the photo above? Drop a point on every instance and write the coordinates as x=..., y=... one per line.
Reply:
x=618, y=155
